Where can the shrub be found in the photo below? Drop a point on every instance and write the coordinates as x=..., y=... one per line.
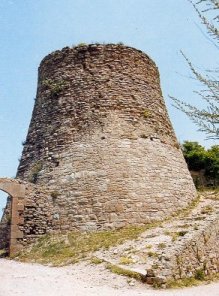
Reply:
x=55, y=87
x=199, y=274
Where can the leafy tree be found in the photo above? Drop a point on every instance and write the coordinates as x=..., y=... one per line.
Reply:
x=200, y=159
x=206, y=118
x=212, y=164
x=194, y=155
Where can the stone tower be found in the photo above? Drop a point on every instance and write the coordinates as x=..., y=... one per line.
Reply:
x=100, y=139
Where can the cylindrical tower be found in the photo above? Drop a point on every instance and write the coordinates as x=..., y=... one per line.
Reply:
x=100, y=137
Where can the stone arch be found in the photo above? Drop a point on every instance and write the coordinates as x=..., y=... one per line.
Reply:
x=16, y=190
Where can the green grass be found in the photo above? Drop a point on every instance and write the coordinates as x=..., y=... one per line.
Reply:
x=125, y=272
x=206, y=189
x=162, y=246
x=60, y=249
x=197, y=280
x=187, y=282
x=125, y=260
x=96, y=260
x=152, y=254
x=199, y=274
x=75, y=246
x=177, y=234
x=184, y=212
x=212, y=193
x=148, y=246
x=3, y=252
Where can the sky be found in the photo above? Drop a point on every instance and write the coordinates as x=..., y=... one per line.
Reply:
x=31, y=29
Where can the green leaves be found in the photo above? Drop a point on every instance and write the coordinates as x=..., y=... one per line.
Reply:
x=207, y=117
x=198, y=158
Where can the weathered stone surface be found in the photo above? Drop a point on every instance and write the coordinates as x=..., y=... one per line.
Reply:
x=182, y=247
x=100, y=151
x=101, y=138
x=10, y=232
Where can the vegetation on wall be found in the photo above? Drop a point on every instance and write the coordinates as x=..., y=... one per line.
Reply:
x=34, y=173
x=204, y=161
x=55, y=87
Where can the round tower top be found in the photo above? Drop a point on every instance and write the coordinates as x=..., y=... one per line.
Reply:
x=95, y=48
x=107, y=91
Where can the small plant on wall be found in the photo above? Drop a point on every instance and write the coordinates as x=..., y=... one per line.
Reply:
x=82, y=44
x=36, y=168
x=8, y=218
x=54, y=195
x=55, y=87
x=146, y=113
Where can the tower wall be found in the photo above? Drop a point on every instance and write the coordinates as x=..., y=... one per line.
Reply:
x=101, y=139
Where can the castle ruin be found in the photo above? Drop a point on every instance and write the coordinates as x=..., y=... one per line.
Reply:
x=100, y=151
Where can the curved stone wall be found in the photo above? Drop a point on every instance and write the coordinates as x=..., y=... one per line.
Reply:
x=101, y=139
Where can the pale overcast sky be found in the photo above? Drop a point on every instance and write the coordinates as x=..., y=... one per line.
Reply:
x=30, y=29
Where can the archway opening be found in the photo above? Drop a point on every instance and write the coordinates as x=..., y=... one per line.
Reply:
x=3, y=202
x=5, y=223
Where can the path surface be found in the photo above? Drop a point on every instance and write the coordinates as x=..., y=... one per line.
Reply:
x=156, y=249
x=25, y=279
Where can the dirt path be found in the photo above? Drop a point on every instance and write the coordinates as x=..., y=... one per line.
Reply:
x=24, y=279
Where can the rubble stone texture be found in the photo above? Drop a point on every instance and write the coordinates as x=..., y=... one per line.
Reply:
x=182, y=247
x=101, y=139
x=100, y=151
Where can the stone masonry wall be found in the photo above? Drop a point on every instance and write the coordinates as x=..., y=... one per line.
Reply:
x=193, y=254
x=77, y=89
x=101, y=139
x=181, y=247
x=29, y=213
x=116, y=185
x=39, y=215
x=200, y=252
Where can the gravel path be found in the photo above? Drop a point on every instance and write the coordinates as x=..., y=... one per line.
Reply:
x=25, y=279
